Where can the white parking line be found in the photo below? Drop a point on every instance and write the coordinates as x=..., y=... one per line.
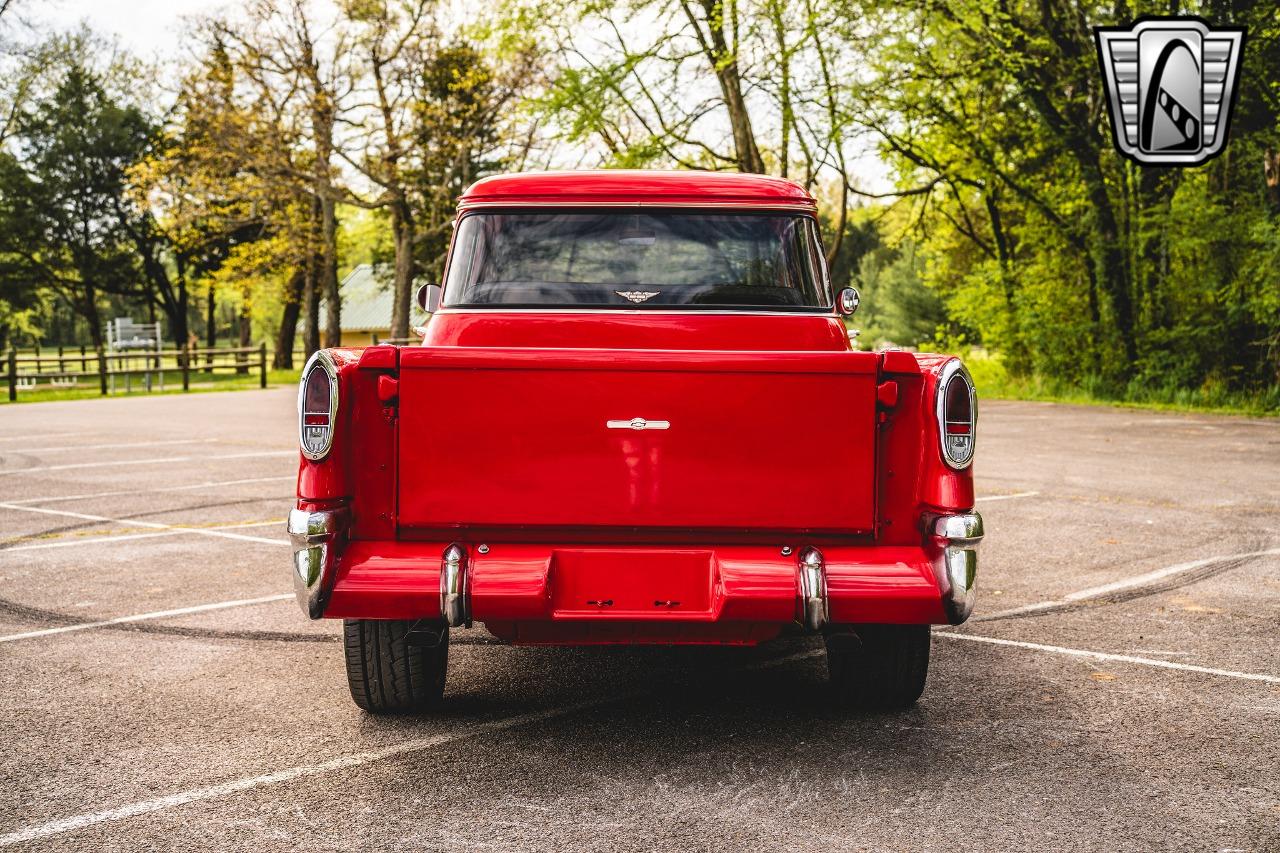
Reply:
x=183, y=488
x=1106, y=656
x=1128, y=583
x=47, y=435
x=1007, y=497
x=293, y=453
x=1158, y=574
x=343, y=762
x=153, y=461
x=95, y=540
x=65, y=447
x=142, y=617
x=153, y=525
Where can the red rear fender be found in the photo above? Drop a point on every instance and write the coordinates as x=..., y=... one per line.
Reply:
x=360, y=466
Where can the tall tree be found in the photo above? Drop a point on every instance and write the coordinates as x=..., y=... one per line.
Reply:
x=77, y=148
x=749, y=85
x=392, y=39
x=301, y=74
x=467, y=126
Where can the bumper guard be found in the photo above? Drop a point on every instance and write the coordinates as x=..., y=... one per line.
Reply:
x=317, y=539
x=957, y=537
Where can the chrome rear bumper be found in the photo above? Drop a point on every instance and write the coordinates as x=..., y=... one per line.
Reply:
x=317, y=538
x=957, y=538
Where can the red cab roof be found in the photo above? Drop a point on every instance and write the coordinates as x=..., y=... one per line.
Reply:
x=626, y=186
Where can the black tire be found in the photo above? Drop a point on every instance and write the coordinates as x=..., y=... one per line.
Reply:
x=878, y=667
x=396, y=667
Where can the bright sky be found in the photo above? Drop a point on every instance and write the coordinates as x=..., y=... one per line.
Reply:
x=148, y=28
x=151, y=30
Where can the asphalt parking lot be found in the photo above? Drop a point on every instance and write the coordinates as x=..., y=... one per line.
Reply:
x=1117, y=689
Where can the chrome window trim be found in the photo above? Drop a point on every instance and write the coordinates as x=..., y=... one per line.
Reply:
x=810, y=212
x=642, y=312
x=322, y=360
x=746, y=207
x=952, y=369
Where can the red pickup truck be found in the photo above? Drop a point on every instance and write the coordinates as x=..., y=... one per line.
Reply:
x=635, y=417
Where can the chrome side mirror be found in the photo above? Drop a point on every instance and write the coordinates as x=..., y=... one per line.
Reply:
x=429, y=297
x=847, y=301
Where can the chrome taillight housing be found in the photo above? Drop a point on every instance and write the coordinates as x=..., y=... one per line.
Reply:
x=957, y=415
x=317, y=406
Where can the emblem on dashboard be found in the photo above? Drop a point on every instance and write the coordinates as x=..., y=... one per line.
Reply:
x=1171, y=83
x=637, y=295
x=638, y=424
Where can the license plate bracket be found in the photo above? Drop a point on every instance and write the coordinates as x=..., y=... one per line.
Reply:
x=632, y=584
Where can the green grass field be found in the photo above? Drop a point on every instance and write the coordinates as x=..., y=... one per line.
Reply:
x=989, y=374
x=200, y=383
x=995, y=382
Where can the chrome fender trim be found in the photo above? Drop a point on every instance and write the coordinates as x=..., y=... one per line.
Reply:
x=957, y=538
x=814, y=611
x=317, y=539
x=455, y=604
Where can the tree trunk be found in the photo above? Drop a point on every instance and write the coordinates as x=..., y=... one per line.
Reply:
x=724, y=63
x=744, y=140
x=787, y=119
x=289, y=318
x=1271, y=172
x=842, y=222
x=402, y=227
x=329, y=273
x=1110, y=261
x=211, y=323
x=89, y=308
x=246, y=336
x=179, y=327
x=311, y=291
x=1154, y=196
x=1019, y=357
x=173, y=300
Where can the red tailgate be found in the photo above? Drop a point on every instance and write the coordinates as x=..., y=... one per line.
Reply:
x=493, y=437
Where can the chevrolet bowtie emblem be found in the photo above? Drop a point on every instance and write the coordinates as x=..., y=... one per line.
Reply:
x=638, y=424
x=637, y=295
x=1171, y=83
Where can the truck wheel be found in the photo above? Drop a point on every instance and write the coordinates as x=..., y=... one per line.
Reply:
x=878, y=667
x=396, y=666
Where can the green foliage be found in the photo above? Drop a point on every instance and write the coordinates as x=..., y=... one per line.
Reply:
x=363, y=238
x=65, y=211
x=901, y=309
x=993, y=380
x=458, y=128
x=1080, y=268
x=1015, y=227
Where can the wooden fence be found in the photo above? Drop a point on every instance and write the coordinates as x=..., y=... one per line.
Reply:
x=112, y=370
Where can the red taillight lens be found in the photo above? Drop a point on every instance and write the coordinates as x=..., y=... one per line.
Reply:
x=317, y=406
x=957, y=415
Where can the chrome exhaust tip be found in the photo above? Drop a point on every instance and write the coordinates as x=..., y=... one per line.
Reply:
x=814, y=613
x=455, y=608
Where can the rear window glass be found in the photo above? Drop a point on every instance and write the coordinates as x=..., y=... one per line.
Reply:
x=627, y=259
